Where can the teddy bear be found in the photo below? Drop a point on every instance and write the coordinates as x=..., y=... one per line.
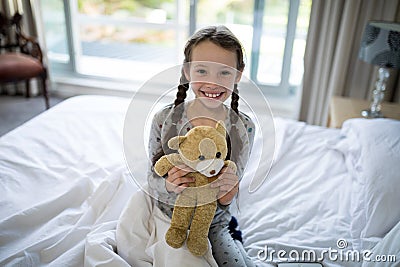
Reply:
x=203, y=149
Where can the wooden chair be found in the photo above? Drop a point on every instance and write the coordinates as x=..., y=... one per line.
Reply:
x=21, y=58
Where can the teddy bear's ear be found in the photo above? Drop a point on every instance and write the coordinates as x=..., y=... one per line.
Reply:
x=220, y=127
x=174, y=142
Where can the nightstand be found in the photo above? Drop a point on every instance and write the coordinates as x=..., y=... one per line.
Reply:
x=344, y=108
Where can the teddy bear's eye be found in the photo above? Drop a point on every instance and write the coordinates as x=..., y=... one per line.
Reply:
x=218, y=155
x=201, y=157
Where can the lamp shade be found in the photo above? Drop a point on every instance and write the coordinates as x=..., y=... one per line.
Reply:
x=380, y=44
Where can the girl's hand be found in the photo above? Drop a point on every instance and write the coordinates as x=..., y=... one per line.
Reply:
x=228, y=183
x=176, y=182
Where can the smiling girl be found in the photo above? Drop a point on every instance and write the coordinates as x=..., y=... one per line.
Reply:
x=212, y=69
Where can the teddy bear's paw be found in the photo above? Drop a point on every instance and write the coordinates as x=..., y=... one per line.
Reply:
x=197, y=246
x=175, y=237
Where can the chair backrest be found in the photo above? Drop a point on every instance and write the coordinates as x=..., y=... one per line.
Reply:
x=9, y=32
x=13, y=40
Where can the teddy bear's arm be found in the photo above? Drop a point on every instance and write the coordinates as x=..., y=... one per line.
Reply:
x=230, y=164
x=227, y=163
x=166, y=162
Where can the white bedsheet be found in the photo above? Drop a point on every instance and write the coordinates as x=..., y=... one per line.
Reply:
x=304, y=203
x=64, y=184
x=62, y=175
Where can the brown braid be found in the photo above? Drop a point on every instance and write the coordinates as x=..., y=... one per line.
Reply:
x=177, y=114
x=233, y=137
x=180, y=98
x=235, y=99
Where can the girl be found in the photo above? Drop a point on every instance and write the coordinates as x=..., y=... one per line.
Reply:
x=212, y=69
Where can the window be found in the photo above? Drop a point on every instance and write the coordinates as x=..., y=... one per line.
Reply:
x=134, y=40
x=55, y=25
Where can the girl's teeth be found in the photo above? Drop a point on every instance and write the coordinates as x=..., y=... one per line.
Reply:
x=212, y=95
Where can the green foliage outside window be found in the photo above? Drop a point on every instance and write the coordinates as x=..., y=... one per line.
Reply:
x=109, y=7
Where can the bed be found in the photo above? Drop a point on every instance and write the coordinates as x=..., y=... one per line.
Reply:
x=331, y=194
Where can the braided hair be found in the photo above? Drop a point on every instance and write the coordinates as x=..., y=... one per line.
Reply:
x=223, y=37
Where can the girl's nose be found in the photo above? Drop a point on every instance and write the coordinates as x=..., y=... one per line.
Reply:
x=211, y=86
x=212, y=83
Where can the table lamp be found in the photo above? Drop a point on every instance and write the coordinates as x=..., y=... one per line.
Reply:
x=380, y=46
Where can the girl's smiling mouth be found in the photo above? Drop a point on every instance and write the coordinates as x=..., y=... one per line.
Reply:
x=212, y=95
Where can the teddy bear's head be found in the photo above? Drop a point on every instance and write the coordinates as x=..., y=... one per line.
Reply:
x=203, y=148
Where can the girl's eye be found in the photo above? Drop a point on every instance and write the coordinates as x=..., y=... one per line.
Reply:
x=201, y=157
x=201, y=71
x=226, y=73
x=218, y=155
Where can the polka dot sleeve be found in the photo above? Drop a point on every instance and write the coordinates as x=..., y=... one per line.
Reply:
x=157, y=183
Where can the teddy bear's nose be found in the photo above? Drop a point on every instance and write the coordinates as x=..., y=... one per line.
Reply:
x=212, y=172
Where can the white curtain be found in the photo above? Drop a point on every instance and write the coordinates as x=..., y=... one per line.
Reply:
x=331, y=64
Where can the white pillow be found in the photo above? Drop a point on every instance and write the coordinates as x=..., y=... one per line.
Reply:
x=388, y=247
x=372, y=151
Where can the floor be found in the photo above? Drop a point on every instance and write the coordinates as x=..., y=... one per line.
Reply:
x=15, y=110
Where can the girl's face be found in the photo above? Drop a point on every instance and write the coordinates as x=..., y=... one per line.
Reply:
x=212, y=73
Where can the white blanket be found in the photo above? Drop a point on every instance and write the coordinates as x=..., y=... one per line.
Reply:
x=54, y=232
x=62, y=176
x=141, y=237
